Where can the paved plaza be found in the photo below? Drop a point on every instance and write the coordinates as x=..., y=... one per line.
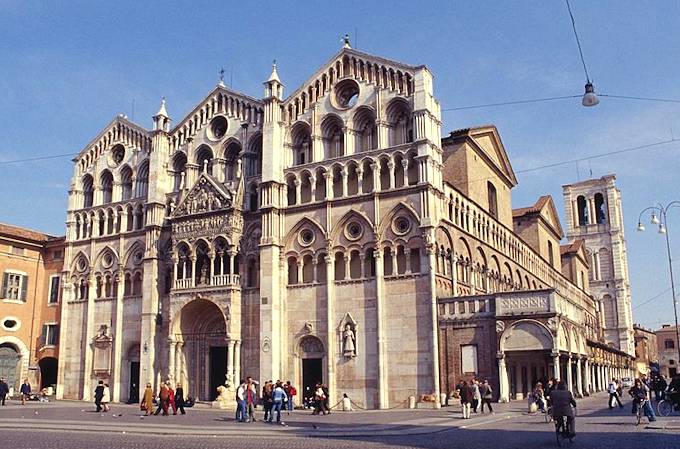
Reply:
x=75, y=424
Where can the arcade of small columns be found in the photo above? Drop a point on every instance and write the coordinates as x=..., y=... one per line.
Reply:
x=220, y=262
x=178, y=369
x=584, y=375
x=346, y=179
x=108, y=221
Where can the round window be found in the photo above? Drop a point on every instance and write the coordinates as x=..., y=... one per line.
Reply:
x=107, y=260
x=137, y=258
x=10, y=324
x=117, y=154
x=402, y=225
x=218, y=127
x=346, y=94
x=306, y=237
x=82, y=264
x=354, y=230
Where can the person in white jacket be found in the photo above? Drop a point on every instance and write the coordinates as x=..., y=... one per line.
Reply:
x=106, y=398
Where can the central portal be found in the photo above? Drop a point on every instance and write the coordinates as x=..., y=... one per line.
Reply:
x=312, y=374
x=218, y=368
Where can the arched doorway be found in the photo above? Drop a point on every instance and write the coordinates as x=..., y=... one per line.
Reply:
x=10, y=365
x=202, y=329
x=48, y=372
x=312, y=354
x=133, y=374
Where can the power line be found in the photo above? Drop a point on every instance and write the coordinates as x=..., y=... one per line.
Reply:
x=652, y=298
x=627, y=97
x=507, y=103
x=38, y=158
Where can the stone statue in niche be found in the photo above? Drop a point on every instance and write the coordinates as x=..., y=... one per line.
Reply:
x=349, y=341
x=204, y=274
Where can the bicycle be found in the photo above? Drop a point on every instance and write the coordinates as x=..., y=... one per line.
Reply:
x=640, y=413
x=548, y=414
x=665, y=406
x=562, y=430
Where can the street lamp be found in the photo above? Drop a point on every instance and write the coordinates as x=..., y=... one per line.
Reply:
x=659, y=217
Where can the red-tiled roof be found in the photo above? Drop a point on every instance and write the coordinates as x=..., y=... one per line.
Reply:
x=535, y=209
x=572, y=247
x=25, y=234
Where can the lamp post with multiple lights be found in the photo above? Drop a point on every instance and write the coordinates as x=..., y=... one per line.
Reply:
x=659, y=217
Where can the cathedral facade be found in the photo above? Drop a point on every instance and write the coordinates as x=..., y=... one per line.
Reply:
x=311, y=238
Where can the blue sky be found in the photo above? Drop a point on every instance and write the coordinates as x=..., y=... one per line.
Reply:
x=69, y=67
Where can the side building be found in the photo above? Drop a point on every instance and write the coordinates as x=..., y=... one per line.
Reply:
x=669, y=353
x=646, y=350
x=31, y=263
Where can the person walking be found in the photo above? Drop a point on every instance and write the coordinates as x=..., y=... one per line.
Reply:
x=278, y=398
x=660, y=386
x=106, y=398
x=171, y=398
x=25, y=391
x=98, y=395
x=241, y=402
x=162, y=400
x=465, y=394
x=326, y=398
x=487, y=393
x=179, y=399
x=319, y=401
x=4, y=390
x=476, y=396
x=613, y=394
x=147, y=401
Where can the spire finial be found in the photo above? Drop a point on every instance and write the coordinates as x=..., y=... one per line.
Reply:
x=221, y=81
x=275, y=75
x=205, y=166
x=346, y=41
x=162, y=111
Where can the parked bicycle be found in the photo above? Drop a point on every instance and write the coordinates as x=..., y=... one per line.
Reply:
x=666, y=406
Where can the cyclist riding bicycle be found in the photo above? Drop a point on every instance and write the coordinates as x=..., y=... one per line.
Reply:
x=641, y=397
x=562, y=403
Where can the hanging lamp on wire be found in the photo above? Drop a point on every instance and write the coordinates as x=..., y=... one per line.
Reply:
x=589, y=97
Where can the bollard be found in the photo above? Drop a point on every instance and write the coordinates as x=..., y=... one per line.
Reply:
x=411, y=402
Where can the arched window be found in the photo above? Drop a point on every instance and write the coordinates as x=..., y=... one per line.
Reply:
x=231, y=155
x=551, y=257
x=492, y=198
x=203, y=155
x=106, y=184
x=142, y=187
x=365, y=130
x=179, y=164
x=582, y=206
x=254, y=157
x=291, y=191
x=333, y=137
x=126, y=183
x=600, y=209
x=253, y=198
x=399, y=122
x=88, y=191
x=301, y=143
x=292, y=271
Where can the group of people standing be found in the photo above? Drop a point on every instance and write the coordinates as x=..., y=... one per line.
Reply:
x=167, y=399
x=24, y=391
x=276, y=396
x=473, y=395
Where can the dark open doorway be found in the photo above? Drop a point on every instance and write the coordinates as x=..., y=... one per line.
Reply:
x=48, y=372
x=218, y=368
x=133, y=397
x=312, y=374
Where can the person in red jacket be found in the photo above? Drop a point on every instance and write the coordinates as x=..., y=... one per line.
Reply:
x=291, y=392
x=171, y=399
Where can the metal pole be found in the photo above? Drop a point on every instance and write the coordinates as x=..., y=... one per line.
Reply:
x=670, y=267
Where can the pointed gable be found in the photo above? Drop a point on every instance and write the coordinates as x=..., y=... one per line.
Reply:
x=488, y=145
x=545, y=208
x=207, y=195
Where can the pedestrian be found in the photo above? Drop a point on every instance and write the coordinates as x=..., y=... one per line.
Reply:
x=98, y=395
x=346, y=403
x=162, y=400
x=171, y=398
x=640, y=392
x=106, y=398
x=291, y=392
x=267, y=390
x=179, y=399
x=147, y=401
x=251, y=398
x=476, y=396
x=327, y=397
x=241, y=402
x=465, y=394
x=613, y=394
x=4, y=390
x=278, y=398
x=25, y=391
x=660, y=386
x=539, y=396
x=487, y=393
x=319, y=400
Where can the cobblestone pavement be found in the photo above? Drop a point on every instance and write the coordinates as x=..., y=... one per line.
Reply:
x=65, y=425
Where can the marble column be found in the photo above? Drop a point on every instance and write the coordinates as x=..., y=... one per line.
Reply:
x=579, y=377
x=504, y=388
x=172, y=348
x=570, y=384
x=231, y=378
x=556, y=366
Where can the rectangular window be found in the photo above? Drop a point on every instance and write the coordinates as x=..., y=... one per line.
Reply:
x=54, y=290
x=14, y=286
x=468, y=357
x=50, y=335
x=57, y=254
x=18, y=251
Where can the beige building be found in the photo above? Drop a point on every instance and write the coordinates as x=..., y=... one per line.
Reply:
x=646, y=350
x=669, y=355
x=31, y=264
x=313, y=237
